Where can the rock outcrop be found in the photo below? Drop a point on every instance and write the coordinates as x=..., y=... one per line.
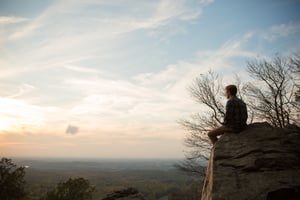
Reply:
x=260, y=163
x=126, y=194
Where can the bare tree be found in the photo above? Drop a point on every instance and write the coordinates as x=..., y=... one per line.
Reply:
x=295, y=60
x=207, y=90
x=272, y=96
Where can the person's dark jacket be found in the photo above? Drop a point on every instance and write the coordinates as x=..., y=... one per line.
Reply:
x=236, y=114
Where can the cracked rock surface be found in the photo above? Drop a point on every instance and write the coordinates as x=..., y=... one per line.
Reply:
x=260, y=163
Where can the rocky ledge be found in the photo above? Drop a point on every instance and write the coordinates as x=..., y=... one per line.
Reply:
x=126, y=194
x=260, y=163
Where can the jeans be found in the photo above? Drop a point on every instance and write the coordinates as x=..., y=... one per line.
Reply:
x=218, y=131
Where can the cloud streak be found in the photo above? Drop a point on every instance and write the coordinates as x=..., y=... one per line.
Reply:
x=117, y=72
x=52, y=41
x=281, y=30
x=5, y=20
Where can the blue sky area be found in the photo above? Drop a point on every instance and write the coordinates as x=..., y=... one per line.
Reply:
x=116, y=72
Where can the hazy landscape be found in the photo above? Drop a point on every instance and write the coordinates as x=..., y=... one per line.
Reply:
x=114, y=99
x=154, y=178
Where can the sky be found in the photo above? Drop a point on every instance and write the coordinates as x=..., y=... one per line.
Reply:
x=109, y=79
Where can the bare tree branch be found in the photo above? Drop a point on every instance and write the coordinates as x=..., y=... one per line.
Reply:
x=274, y=96
x=272, y=99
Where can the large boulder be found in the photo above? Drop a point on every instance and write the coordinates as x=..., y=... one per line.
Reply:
x=260, y=163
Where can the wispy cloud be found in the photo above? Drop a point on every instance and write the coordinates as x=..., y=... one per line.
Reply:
x=132, y=105
x=149, y=15
x=16, y=114
x=23, y=89
x=52, y=41
x=5, y=20
x=152, y=98
x=115, y=70
x=281, y=30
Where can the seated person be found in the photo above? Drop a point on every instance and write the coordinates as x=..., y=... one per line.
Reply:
x=235, y=117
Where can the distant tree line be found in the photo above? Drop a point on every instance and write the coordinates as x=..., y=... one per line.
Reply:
x=12, y=185
x=72, y=189
x=272, y=96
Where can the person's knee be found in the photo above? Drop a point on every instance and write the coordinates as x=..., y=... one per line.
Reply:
x=210, y=134
x=213, y=138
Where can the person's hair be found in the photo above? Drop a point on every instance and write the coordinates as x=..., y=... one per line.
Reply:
x=232, y=89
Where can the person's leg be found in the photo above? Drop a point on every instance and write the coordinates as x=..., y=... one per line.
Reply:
x=216, y=132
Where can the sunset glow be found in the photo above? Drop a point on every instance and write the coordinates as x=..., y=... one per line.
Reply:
x=109, y=78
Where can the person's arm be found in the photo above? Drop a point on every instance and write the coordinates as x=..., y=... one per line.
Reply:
x=229, y=112
x=245, y=113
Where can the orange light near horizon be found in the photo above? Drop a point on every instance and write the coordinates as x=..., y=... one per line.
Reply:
x=15, y=114
x=5, y=124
